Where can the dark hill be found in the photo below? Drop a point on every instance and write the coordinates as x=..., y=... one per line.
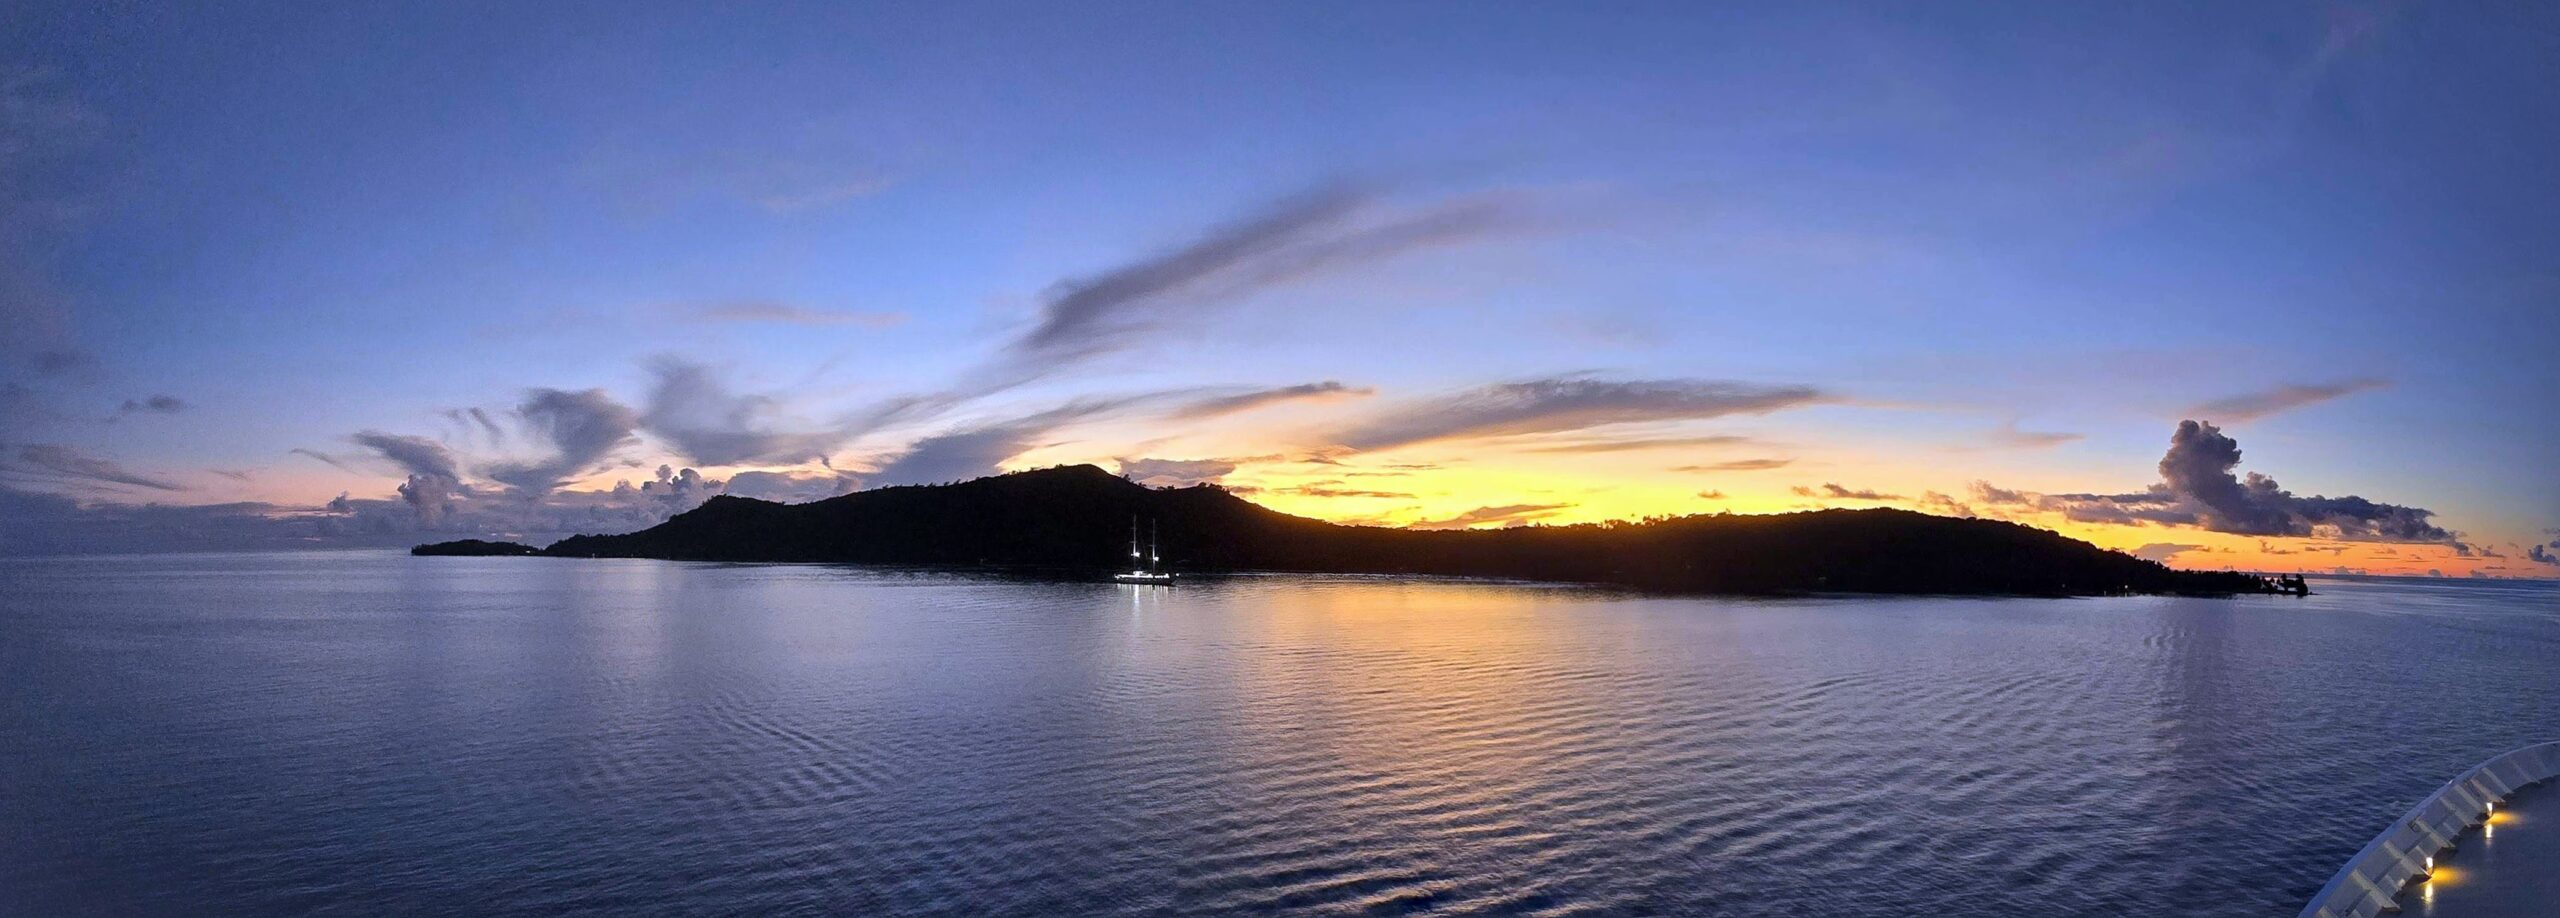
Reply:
x=1077, y=517
x=475, y=547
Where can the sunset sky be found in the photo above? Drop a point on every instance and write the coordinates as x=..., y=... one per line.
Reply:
x=362, y=275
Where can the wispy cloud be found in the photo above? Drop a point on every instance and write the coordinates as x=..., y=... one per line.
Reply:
x=1737, y=465
x=415, y=455
x=783, y=200
x=981, y=450
x=2163, y=551
x=1507, y=514
x=1240, y=402
x=1571, y=403
x=2255, y=405
x=1831, y=491
x=2010, y=436
x=474, y=419
x=769, y=311
x=157, y=404
x=67, y=465
x=1322, y=490
x=44, y=130
x=1175, y=473
x=1643, y=443
x=693, y=409
x=581, y=429
x=333, y=461
x=434, y=484
x=1328, y=230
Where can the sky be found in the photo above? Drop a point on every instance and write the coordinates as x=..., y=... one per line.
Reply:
x=2261, y=286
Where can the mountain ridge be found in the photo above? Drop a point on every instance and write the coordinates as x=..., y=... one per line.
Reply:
x=1077, y=517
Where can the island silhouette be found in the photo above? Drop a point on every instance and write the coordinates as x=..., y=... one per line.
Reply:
x=1076, y=518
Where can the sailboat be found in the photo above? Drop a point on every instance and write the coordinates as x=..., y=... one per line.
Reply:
x=1150, y=558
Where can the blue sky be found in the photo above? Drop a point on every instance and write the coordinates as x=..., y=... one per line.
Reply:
x=1950, y=224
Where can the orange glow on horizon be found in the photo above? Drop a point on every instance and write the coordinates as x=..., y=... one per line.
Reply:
x=1562, y=480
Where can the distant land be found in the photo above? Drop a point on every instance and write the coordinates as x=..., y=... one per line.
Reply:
x=1078, y=517
x=475, y=548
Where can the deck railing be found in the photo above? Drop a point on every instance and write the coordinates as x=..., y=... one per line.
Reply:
x=2370, y=883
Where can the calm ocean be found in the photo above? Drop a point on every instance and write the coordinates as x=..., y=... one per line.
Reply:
x=375, y=734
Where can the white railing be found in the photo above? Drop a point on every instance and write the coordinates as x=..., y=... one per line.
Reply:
x=2371, y=881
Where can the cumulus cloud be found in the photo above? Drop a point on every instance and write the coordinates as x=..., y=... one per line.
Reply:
x=2254, y=405
x=1508, y=514
x=1175, y=473
x=430, y=502
x=431, y=496
x=57, y=464
x=2199, y=487
x=434, y=479
x=1571, y=403
x=1736, y=465
x=580, y=427
x=791, y=487
x=694, y=410
x=2541, y=554
x=1835, y=492
x=427, y=506
x=1237, y=403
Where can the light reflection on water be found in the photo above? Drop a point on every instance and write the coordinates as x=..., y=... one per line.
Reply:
x=373, y=733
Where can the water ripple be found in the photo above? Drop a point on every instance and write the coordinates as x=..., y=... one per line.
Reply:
x=372, y=734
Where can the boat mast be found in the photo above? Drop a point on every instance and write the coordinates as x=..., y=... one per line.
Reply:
x=1153, y=530
x=1133, y=538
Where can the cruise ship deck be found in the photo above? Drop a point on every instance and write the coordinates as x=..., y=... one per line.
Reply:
x=2507, y=868
x=2486, y=845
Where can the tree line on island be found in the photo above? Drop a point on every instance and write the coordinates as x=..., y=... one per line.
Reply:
x=1074, y=518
